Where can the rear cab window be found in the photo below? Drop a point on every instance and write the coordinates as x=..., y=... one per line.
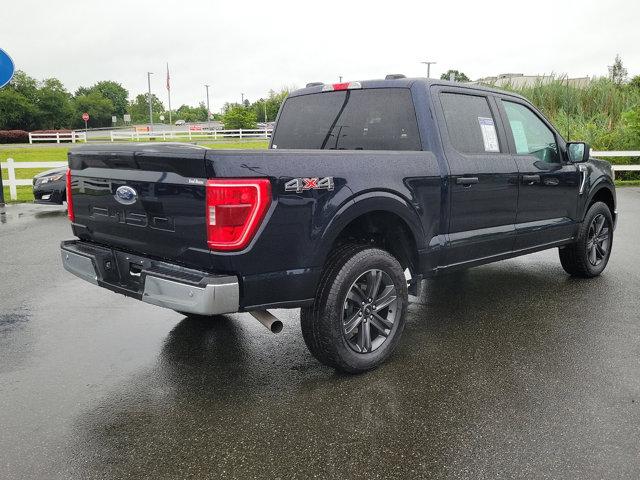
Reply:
x=364, y=119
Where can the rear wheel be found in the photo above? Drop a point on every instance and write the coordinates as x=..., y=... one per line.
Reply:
x=589, y=255
x=359, y=312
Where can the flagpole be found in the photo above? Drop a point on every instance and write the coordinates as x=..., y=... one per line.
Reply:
x=169, y=93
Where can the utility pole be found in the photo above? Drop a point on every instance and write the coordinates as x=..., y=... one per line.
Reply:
x=340, y=77
x=242, y=98
x=428, y=64
x=265, y=113
x=169, y=94
x=208, y=109
x=150, y=102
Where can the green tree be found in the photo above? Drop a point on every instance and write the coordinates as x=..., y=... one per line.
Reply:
x=259, y=109
x=24, y=85
x=115, y=92
x=272, y=102
x=238, y=116
x=635, y=82
x=53, y=102
x=139, y=108
x=458, y=76
x=17, y=112
x=617, y=72
x=192, y=114
x=98, y=107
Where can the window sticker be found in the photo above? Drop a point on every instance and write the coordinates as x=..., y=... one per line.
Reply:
x=519, y=136
x=489, y=136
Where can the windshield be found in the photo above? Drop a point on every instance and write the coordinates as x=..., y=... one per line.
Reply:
x=370, y=119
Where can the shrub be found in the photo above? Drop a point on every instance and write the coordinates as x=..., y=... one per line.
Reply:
x=14, y=136
x=601, y=113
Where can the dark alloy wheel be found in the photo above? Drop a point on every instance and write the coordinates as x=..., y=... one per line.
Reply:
x=358, y=315
x=589, y=254
x=598, y=240
x=370, y=311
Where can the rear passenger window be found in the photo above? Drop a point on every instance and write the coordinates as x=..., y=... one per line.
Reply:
x=470, y=124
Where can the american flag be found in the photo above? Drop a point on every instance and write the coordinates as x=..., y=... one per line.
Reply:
x=168, y=78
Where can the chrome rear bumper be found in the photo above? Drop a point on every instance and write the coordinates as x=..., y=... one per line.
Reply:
x=212, y=299
x=157, y=283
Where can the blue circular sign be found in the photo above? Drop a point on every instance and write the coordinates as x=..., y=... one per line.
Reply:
x=7, y=68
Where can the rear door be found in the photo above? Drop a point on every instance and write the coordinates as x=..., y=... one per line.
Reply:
x=548, y=197
x=482, y=177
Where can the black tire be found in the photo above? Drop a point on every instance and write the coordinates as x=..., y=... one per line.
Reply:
x=589, y=255
x=323, y=324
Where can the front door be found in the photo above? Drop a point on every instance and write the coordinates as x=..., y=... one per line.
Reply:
x=483, y=176
x=548, y=198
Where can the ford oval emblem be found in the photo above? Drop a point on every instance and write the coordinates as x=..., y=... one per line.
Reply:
x=126, y=195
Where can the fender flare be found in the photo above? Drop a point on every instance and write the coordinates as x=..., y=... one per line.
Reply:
x=366, y=203
x=601, y=183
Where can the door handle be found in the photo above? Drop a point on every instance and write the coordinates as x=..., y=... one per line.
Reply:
x=530, y=179
x=466, y=180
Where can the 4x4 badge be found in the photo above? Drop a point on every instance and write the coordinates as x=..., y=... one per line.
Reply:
x=314, y=183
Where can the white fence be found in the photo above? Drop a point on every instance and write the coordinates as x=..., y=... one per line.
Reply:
x=190, y=134
x=58, y=137
x=620, y=168
x=11, y=166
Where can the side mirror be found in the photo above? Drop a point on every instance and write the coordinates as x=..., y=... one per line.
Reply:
x=578, y=152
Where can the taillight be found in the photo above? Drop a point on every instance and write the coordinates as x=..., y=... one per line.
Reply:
x=235, y=210
x=69, y=197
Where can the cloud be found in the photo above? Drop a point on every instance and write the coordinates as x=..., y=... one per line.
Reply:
x=252, y=46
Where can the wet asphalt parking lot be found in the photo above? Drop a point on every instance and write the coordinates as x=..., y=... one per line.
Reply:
x=510, y=370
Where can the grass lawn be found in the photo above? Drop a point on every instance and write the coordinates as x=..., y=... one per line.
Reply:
x=25, y=194
x=58, y=153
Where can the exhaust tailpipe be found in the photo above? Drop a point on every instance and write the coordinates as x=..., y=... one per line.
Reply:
x=268, y=320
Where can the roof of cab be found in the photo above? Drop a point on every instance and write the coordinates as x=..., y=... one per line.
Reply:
x=407, y=83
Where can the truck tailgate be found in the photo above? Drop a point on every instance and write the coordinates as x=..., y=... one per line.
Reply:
x=144, y=199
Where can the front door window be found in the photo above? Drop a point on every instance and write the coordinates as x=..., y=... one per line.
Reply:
x=530, y=135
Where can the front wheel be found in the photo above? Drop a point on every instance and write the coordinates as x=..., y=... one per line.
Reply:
x=589, y=255
x=359, y=311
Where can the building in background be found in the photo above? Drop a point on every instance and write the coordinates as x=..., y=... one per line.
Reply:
x=520, y=80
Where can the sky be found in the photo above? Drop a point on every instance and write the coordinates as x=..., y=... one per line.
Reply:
x=251, y=46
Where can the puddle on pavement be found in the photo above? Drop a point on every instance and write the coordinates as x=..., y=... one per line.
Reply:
x=11, y=213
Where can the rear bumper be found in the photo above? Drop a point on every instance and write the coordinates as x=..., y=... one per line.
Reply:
x=152, y=281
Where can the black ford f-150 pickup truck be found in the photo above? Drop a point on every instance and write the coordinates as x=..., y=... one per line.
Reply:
x=367, y=188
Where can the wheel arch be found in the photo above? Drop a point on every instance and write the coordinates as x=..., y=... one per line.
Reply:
x=604, y=192
x=380, y=218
